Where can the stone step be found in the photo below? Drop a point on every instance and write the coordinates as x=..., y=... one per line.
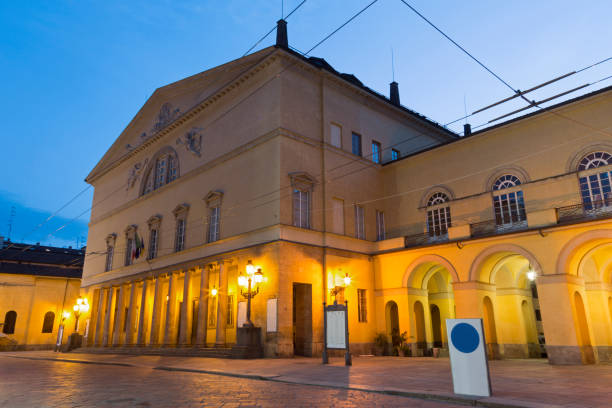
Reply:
x=162, y=351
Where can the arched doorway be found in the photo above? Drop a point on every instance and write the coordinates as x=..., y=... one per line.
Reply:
x=510, y=305
x=392, y=318
x=436, y=326
x=431, y=301
x=419, y=321
x=9, y=322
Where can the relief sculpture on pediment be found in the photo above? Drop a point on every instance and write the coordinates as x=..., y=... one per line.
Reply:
x=135, y=172
x=167, y=114
x=192, y=140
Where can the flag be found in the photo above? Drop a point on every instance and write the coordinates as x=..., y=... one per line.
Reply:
x=138, y=246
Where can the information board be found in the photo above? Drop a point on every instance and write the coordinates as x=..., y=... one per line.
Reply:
x=271, y=315
x=336, y=330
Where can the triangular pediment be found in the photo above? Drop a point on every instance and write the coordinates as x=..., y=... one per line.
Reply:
x=170, y=103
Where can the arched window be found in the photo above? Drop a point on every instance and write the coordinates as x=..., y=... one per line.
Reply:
x=163, y=169
x=9, y=322
x=438, y=215
x=48, y=322
x=595, y=181
x=508, y=200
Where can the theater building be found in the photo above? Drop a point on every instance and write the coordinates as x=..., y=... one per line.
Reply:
x=281, y=161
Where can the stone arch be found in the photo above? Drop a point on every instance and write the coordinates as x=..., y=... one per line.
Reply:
x=513, y=169
x=601, y=268
x=479, y=261
x=411, y=270
x=573, y=246
x=574, y=160
x=436, y=189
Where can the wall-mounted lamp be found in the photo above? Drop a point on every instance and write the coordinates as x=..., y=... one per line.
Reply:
x=531, y=274
x=214, y=292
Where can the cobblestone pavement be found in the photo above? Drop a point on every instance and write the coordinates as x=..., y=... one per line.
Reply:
x=39, y=383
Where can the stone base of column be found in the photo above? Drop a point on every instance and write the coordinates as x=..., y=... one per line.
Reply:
x=570, y=355
x=248, y=343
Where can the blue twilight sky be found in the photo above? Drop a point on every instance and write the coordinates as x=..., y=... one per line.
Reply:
x=73, y=73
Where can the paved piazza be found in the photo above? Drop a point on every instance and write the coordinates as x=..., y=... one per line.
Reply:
x=41, y=383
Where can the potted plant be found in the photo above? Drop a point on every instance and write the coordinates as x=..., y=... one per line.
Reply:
x=399, y=342
x=380, y=342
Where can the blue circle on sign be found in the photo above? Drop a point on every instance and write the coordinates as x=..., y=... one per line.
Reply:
x=465, y=338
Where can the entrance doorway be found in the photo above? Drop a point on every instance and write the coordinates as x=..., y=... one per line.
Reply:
x=302, y=319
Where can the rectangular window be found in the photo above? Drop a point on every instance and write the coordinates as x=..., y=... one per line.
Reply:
x=109, y=258
x=362, y=305
x=438, y=221
x=153, y=238
x=335, y=134
x=213, y=225
x=380, y=225
x=376, y=151
x=129, y=247
x=180, y=235
x=509, y=208
x=301, y=208
x=359, y=222
x=338, y=216
x=230, y=311
x=160, y=171
x=357, y=144
x=395, y=154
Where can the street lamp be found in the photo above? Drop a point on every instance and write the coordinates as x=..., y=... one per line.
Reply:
x=337, y=289
x=81, y=306
x=250, y=293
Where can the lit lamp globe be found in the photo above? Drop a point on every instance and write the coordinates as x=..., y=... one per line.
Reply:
x=81, y=306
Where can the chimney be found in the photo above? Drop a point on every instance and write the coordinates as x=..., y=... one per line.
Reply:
x=281, y=34
x=394, y=93
x=467, y=129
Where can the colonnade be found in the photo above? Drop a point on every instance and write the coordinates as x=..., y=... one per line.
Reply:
x=157, y=312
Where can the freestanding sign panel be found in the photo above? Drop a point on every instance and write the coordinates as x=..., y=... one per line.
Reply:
x=468, y=357
x=335, y=326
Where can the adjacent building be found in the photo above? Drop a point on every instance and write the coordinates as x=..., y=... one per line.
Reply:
x=38, y=287
x=279, y=160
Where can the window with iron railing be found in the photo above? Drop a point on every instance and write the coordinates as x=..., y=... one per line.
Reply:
x=508, y=201
x=594, y=175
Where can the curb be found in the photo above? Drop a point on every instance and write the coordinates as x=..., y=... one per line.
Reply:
x=66, y=360
x=491, y=402
x=470, y=401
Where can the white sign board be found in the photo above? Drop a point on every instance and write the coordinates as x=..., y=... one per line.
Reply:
x=271, y=315
x=468, y=357
x=241, y=314
x=336, y=329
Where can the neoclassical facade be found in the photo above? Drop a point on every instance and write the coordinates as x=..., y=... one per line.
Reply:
x=282, y=161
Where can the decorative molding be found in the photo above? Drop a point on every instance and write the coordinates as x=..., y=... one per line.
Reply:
x=192, y=140
x=180, y=210
x=111, y=239
x=574, y=160
x=436, y=189
x=135, y=173
x=302, y=181
x=214, y=198
x=154, y=220
x=130, y=230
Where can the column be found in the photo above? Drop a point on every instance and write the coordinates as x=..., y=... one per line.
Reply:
x=156, y=313
x=129, y=332
x=119, y=317
x=186, y=311
x=170, y=308
x=107, y=316
x=93, y=318
x=221, y=305
x=140, y=336
x=203, y=309
x=100, y=317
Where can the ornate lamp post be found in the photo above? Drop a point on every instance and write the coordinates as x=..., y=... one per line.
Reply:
x=247, y=281
x=337, y=289
x=81, y=306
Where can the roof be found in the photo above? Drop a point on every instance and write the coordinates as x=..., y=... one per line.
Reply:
x=322, y=64
x=39, y=260
x=517, y=119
